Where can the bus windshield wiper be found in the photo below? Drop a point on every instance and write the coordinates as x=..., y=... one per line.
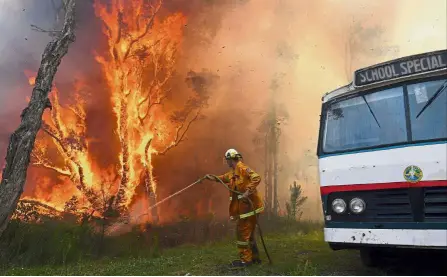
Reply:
x=371, y=111
x=433, y=98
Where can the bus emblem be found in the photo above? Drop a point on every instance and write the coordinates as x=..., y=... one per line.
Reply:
x=413, y=174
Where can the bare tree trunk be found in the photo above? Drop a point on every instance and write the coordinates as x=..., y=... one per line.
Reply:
x=275, y=161
x=275, y=179
x=271, y=167
x=271, y=172
x=267, y=176
x=21, y=142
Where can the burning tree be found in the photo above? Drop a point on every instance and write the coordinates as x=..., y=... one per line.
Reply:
x=138, y=68
x=142, y=55
x=29, y=210
x=66, y=127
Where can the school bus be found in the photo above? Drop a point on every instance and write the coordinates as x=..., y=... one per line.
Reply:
x=382, y=154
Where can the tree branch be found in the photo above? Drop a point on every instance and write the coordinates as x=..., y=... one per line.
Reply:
x=146, y=30
x=151, y=104
x=180, y=135
x=57, y=10
x=76, y=112
x=49, y=32
x=158, y=85
x=38, y=161
x=47, y=129
x=40, y=204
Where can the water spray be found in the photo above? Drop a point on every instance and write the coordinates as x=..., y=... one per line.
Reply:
x=174, y=194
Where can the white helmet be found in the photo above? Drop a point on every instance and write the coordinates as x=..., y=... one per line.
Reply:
x=232, y=154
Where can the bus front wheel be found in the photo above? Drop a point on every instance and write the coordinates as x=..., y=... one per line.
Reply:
x=370, y=257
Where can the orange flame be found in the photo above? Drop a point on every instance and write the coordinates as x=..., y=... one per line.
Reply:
x=138, y=67
x=31, y=76
x=142, y=55
x=64, y=131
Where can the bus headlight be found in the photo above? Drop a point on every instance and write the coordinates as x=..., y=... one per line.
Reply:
x=339, y=206
x=357, y=205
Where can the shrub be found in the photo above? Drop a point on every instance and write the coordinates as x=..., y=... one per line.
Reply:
x=54, y=242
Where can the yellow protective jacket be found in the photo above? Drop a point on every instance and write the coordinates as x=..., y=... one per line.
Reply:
x=241, y=179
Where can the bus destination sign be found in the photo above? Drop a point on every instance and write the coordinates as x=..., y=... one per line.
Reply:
x=402, y=67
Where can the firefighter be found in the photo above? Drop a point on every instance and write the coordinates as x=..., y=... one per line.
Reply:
x=243, y=180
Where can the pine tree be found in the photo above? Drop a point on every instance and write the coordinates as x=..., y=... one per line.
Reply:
x=296, y=202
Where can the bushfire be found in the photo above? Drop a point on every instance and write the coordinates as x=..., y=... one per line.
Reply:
x=142, y=51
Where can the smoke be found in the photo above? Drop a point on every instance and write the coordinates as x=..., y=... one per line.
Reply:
x=244, y=56
x=304, y=48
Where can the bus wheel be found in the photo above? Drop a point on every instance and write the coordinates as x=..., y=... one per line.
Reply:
x=370, y=257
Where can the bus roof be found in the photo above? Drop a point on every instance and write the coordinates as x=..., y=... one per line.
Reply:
x=394, y=71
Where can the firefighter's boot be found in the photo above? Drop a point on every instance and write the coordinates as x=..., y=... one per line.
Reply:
x=240, y=264
x=257, y=261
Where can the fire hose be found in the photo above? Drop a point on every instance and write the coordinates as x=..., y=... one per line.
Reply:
x=229, y=189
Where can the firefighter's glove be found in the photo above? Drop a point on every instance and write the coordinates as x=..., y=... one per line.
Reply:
x=210, y=177
x=246, y=194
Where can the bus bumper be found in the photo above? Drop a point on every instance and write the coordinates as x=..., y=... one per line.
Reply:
x=345, y=238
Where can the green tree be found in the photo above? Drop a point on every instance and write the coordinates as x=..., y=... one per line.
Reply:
x=294, y=205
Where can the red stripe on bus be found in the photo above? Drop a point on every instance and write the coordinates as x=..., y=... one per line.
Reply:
x=340, y=188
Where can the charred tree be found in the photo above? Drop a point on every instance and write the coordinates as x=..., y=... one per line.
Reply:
x=21, y=142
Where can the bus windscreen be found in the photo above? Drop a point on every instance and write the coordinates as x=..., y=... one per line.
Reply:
x=379, y=118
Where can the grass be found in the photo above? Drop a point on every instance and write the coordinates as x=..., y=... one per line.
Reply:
x=293, y=253
x=193, y=247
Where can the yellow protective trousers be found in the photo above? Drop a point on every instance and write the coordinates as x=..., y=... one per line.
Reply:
x=246, y=242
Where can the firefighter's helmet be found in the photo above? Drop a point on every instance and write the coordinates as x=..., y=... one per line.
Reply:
x=232, y=154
